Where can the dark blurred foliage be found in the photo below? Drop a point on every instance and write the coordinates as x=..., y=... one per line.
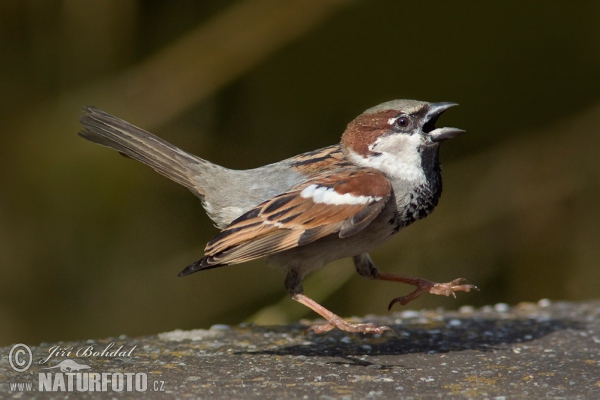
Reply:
x=90, y=242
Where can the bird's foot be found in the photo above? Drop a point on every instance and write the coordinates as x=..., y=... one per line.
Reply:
x=448, y=288
x=335, y=321
x=348, y=327
x=424, y=285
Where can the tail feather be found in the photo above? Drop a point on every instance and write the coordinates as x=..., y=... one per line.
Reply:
x=136, y=143
x=200, y=265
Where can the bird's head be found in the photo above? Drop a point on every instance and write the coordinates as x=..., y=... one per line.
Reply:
x=395, y=136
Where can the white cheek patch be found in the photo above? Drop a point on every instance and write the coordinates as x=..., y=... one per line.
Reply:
x=325, y=195
x=397, y=156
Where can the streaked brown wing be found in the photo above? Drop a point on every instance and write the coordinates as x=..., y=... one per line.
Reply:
x=344, y=202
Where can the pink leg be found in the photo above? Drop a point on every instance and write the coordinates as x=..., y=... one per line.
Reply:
x=335, y=321
x=424, y=285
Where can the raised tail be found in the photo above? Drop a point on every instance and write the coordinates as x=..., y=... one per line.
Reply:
x=131, y=141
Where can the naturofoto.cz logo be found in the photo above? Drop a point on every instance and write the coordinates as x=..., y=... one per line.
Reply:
x=71, y=376
x=92, y=382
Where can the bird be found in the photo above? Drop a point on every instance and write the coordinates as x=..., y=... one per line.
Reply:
x=301, y=213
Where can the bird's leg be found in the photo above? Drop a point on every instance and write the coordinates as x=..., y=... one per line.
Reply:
x=335, y=321
x=293, y=284
x=366, y=267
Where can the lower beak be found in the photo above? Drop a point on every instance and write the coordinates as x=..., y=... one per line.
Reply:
x=440, y=134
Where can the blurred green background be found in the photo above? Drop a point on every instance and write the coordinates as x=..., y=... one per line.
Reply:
x=91, y=242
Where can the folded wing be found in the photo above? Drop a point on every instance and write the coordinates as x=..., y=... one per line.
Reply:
x=342, y=202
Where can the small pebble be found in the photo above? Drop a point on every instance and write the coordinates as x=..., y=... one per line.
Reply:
x=220, y=327
x=466, y=309
x=409, y=314
x=544, y=303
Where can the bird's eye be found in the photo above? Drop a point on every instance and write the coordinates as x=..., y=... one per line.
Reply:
x=402, y=122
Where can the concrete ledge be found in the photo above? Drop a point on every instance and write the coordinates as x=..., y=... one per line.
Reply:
x=531, y=350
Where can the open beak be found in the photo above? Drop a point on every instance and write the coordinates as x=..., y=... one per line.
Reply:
x=439, y=134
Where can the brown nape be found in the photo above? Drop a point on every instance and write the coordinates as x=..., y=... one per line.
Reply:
x=365, y=129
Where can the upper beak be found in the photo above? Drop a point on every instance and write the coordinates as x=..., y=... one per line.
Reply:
x=439, y=134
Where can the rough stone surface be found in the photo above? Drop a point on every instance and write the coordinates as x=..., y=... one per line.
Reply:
x=548, y=349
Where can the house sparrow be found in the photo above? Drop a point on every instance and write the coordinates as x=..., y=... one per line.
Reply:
x=306, y=211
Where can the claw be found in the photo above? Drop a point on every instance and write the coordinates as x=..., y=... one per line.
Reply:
x=348, y=327
x=318, y=329
x=446, y=289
